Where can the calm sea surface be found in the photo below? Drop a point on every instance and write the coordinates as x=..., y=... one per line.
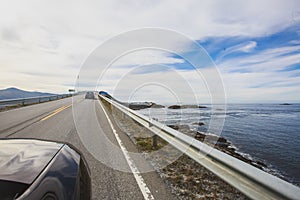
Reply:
x=267, y=132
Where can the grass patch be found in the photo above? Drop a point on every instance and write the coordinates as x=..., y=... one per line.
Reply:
x=146, y=144
x=12, y=107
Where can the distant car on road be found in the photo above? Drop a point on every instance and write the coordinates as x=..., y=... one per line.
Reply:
x=90, y=95
x=103, y=93
x=36, y=169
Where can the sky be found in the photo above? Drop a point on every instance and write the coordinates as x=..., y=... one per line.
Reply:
x=254, y=45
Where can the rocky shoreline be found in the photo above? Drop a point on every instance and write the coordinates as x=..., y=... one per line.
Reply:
x=185, y=177
x=219, y=143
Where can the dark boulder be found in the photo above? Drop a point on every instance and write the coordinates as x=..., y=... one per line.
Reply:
x=199, y=123
x=154, y=105
x=179, y=127
x=185, y=106
x=174, y=107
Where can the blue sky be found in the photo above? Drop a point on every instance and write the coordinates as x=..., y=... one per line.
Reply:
x=232, y=47
x=225, y=49
x=275, y=55
x=254, y=44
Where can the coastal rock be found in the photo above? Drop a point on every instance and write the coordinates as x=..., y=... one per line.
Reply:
x=261, y=163
x=175, y=107
x=138, y=106
x=154, y=105
x=143, y=105
x=199, y=123
x=212, y=139
x=185, y=106
x=200, y=136
x=179, y=127
x=224, y=145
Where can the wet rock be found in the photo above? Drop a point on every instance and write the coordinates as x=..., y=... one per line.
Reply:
x=185, y=106
x=138, y=106
x=199, y=123
x=175, y=107
x=154, y=105
x=179, y=127
x=143, y=105
x=261, y=163
x=225, y=146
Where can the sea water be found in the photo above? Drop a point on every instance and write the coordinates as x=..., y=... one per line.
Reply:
x=265, y=132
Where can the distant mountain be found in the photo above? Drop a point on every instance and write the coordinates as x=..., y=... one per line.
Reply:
x=14, y=93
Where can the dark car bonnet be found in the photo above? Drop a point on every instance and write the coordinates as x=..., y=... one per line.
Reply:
x=22, y=160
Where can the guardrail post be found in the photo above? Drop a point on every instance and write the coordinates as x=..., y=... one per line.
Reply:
x=23, y=103
x=154, y=137
x=154, y=140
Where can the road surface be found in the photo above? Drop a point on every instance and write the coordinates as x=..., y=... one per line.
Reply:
x=55, y=121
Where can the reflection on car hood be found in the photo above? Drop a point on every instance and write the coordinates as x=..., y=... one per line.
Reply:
x=22, y=160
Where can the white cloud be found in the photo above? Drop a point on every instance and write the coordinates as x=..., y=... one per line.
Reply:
x=167, y=87
x=261, y=87
x=147, y=57
x=268, y=60
x=262, y=77
x=295, y=42
x=244, y=47
x=53, y=38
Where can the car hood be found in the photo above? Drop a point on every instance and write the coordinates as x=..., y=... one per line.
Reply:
x=22, y=160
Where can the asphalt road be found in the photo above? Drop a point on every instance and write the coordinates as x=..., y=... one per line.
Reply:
x=84, y=124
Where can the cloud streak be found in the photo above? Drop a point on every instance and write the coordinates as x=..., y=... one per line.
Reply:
x=43, y=44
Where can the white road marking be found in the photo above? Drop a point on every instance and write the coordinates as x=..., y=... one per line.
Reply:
x=137, y=175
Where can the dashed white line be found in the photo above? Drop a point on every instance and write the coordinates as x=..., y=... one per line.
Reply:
x=137, y=175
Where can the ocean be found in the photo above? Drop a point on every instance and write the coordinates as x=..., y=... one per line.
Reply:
x=266, y=132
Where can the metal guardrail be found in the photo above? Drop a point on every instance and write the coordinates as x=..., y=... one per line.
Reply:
x=31, y=100
x=250, y=180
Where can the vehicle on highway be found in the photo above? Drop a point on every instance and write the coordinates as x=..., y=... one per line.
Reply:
x=36, y=169
x=103, y=93
x=90, y=95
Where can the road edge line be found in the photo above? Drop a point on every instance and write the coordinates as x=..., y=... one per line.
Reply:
x=137, y=175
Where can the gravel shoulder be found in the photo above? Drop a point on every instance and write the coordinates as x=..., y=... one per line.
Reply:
x=186, y=178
